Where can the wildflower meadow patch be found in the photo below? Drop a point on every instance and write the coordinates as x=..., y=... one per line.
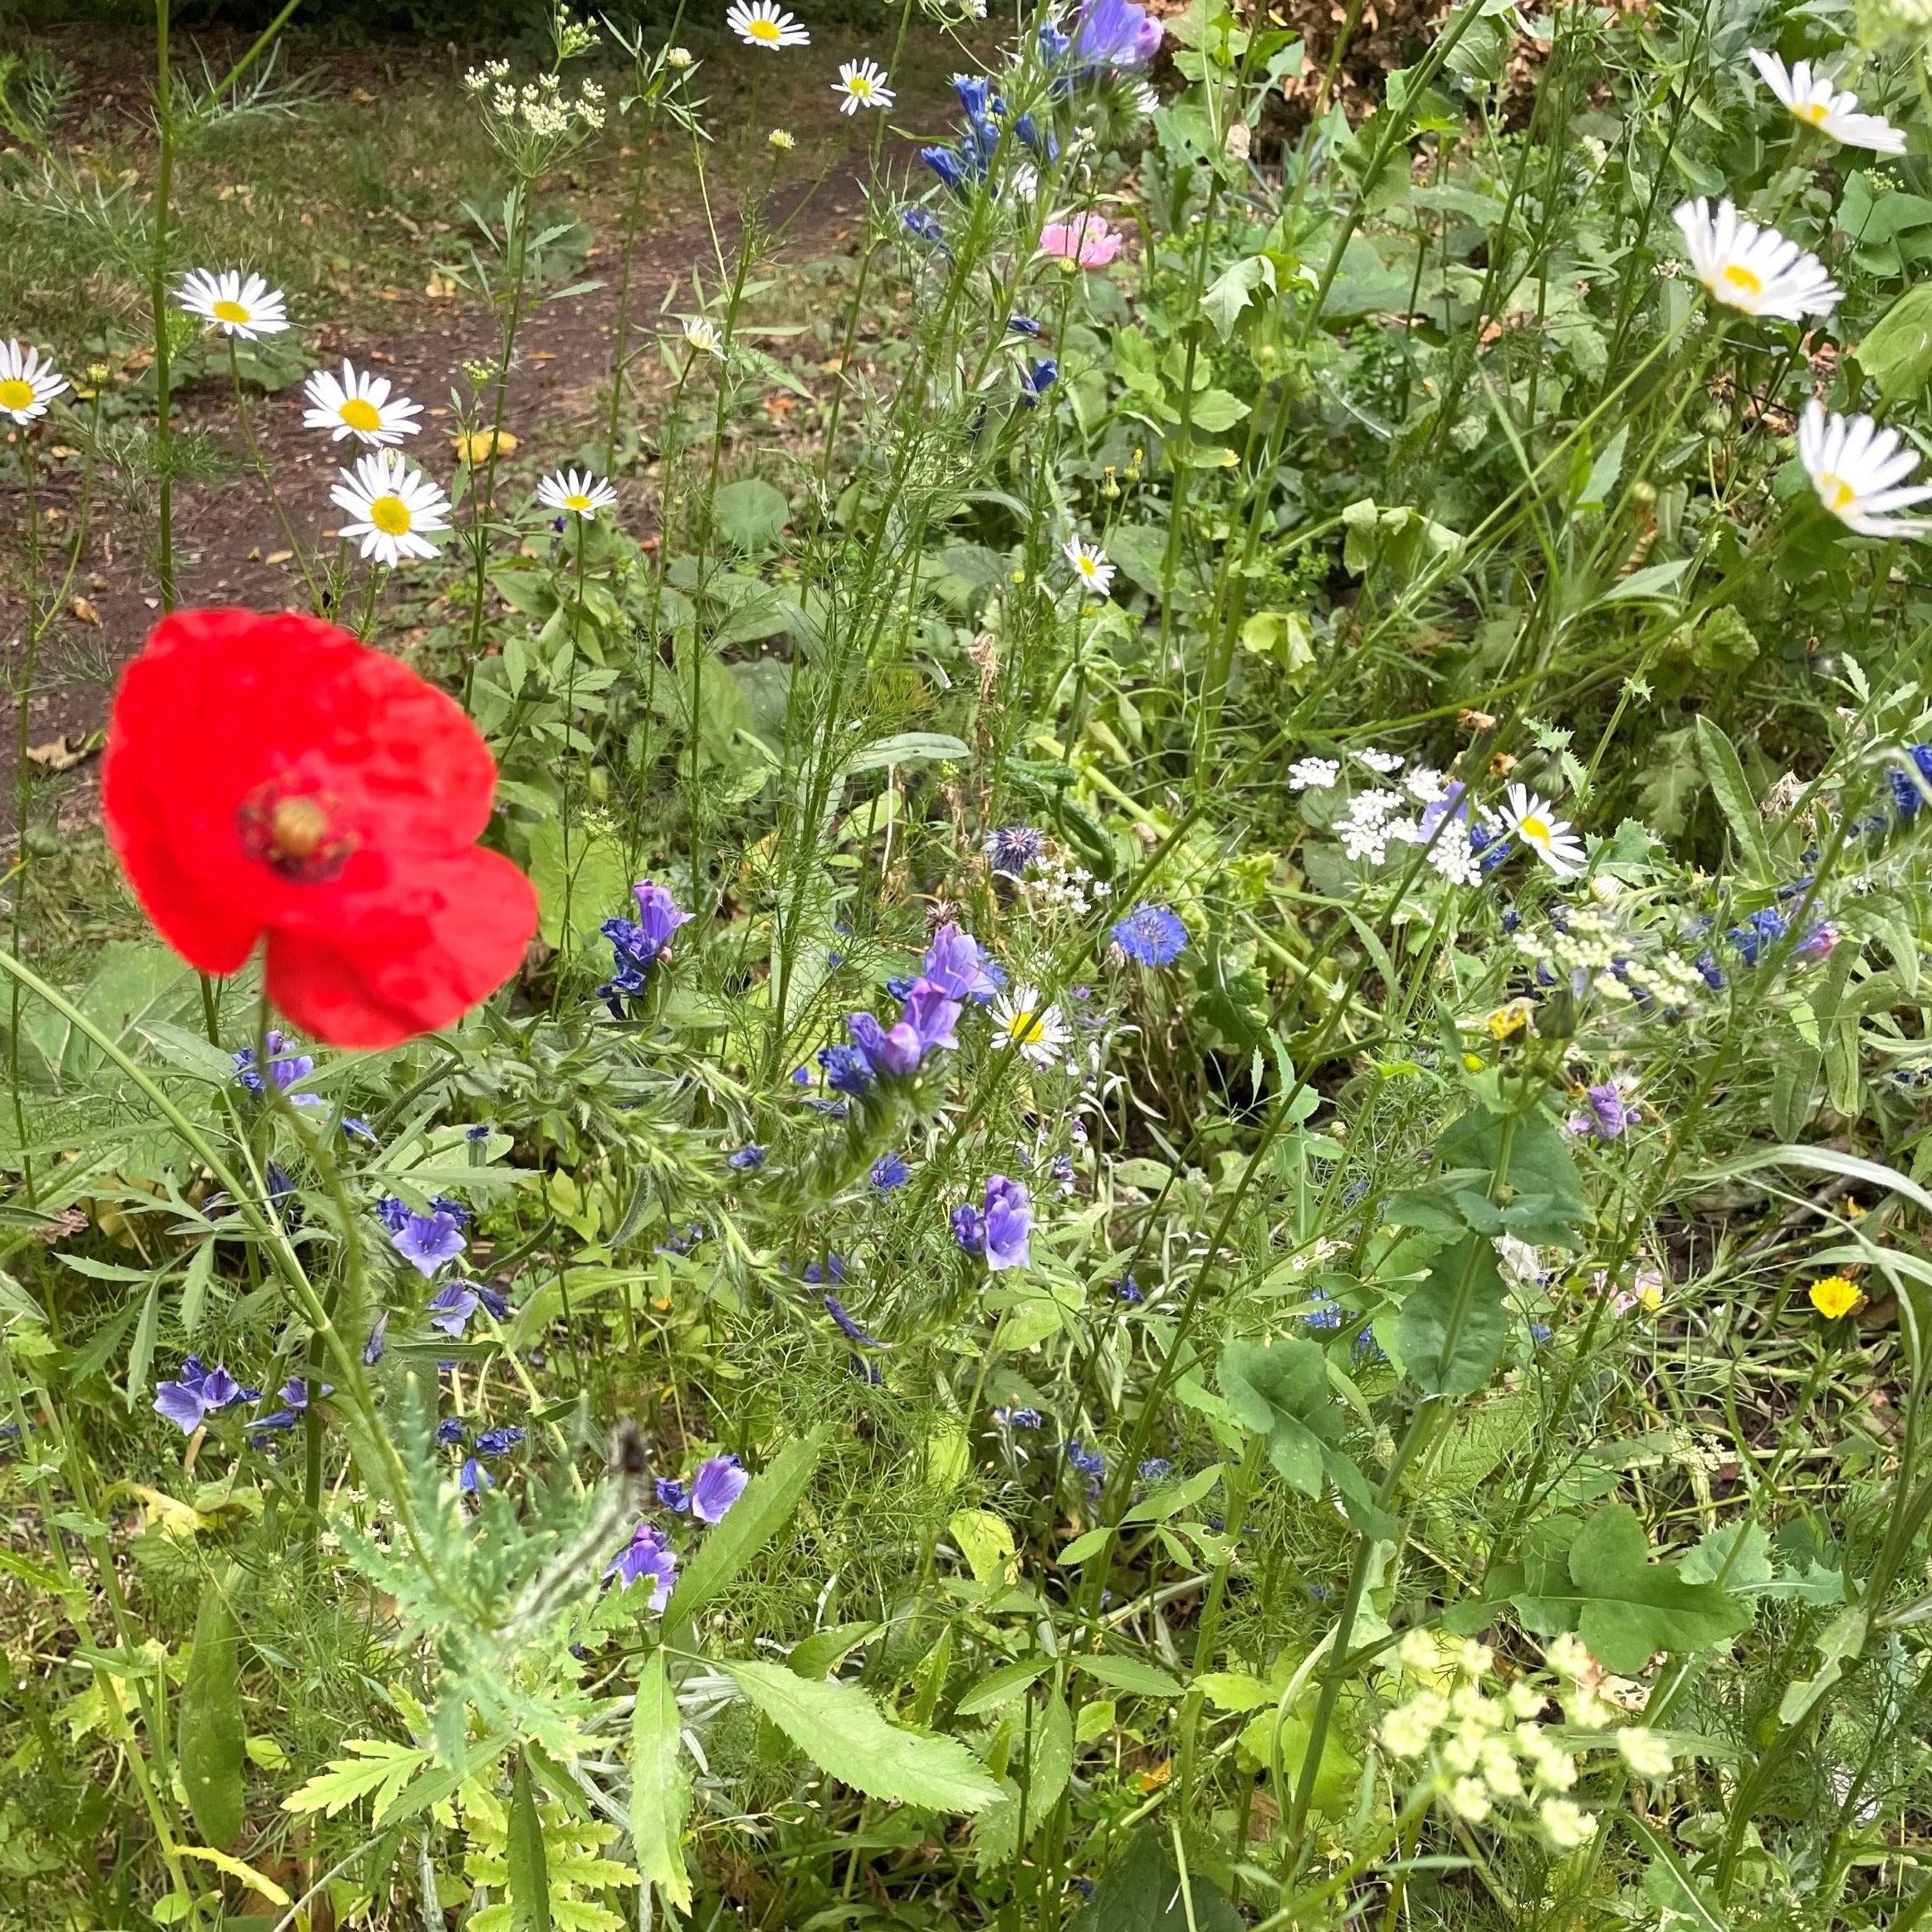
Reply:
x=969, y=973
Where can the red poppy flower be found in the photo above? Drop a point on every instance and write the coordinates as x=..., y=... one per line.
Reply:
x=272, y=775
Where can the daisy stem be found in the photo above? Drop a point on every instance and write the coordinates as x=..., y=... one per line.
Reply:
x=564, y=926
x=267, y=479
x=158, y=312
x=619, y=358
x=23, y=789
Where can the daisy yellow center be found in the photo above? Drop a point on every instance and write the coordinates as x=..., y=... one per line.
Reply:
x=1023, y=1028
x=359, y=413
x=1745, y=280
x=228, y=311
x=1534, y=829
x=390, y=515
x=1814, y=112
x=860, y=86
x=1836, y=490
x=16, y=394
x=578, y=502
x=1086, y=566
x=763, y=29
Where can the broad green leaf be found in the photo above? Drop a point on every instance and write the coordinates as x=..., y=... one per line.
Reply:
x=1233, y=289
x=530, y=1873
x=824, y=1650
x=986, y=1541
x=1897, y=352
x=1732, y=792
x=1172, y=1497
x=766, y=1507
x=1128, y=1674
x=909, y=748
x=1280, y=1390
x=1140, y=1892
x=1473, y=1446
x=749, y=514
x=1053, y=1755
x=580, y=881
x=1000, y=1686
x=1284, y=1738
x=1453, y=1327
x=1540, y=1163
x=841, y=1730
x=211, y=1735
x=660, y=1789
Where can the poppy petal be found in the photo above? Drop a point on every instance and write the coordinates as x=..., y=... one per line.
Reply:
x=398, y=969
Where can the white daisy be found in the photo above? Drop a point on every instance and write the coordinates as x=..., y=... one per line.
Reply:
x=395, y=508
x=358, y=404
x=1144, y=100
x=28, y=384
x=1752, y=269
x=1091, y=566
x=702, y=335
x=1313, y=774
x=1857, y=469
x=862, y=84
x=764, y=24
x=247, y=308
x=580, y=493
x=1531, y=819
x=1812, y=98
x=1039, y=1031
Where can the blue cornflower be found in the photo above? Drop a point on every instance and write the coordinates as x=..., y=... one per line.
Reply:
x=889, y=1171
x=1012, y=848
x=1022, y=326
x=832, y=1269
x=285, y=1069
x=923, y=226
x=498, y=1441
x=1150, y=934
x=847, y=1069
x=1155, y=1469
x=745, y=1160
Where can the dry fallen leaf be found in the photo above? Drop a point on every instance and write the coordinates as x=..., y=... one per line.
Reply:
x=361, y=96
x=63, y=753
x=83, y=611
x=439, y=288
x=278, y=556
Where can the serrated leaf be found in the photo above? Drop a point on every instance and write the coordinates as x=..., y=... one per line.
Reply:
x=1000, y=1686
x=523, y=1854
x=841, y=1730
x=210, y=1732
x=1128, y=1674
x=1140, y=1892
x=380, y=1767
x=660, y=1788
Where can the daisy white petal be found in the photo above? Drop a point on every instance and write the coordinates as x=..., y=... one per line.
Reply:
x=702, y=333
x=861, y=84
x=1090, y=565
x=1810, y=97
x=1531, y=820
x=764, y=24
x=1754, y=270
x=1021, y=1019
x=579, y=492
x=1856, y=468
x=248, y=308
x=28, y=382
x=358, y=403
x=395, y=509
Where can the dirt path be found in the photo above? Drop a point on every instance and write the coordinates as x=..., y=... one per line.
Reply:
x=230, y=548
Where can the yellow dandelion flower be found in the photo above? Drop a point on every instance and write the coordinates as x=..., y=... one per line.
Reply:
x=1835, y=1297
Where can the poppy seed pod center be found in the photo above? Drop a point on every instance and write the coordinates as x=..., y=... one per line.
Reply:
x=295, y=833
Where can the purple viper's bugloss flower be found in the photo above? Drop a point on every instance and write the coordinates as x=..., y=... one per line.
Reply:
x=646, y=1555
x=1605, y=1113
x=426, y=1241
x=452, y=1306
x=1008, y=1222
x=848, y=1328
x=966, y=1228
x=957, y=964
x=672, y=1495
x=719, y=1483
x=889, y=1171
x=1115, y=33
x=197, y=1392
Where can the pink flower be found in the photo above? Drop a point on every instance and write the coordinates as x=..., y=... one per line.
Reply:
x=1087, y=240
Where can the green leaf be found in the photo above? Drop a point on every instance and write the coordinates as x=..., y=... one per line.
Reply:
x=1540, y=1164
x=1453, y=1327
x=1720, y=759
x=1128, y=1674
x=841, y=1730
x=1233, y=289
x=141, y=1355
x=766, y=1506
x=1171, y=1498
x=749, y=514
x=1897, y=353
x=986, y=1541
x=660, y=1789
x=1466, y=1452
x=1281, y=1391
x=529, y=1874
x=580, y=881
x=211, y=1735
x=1140, y=1892
x=824, y=1650
x=910, y=748
x=998, y=1687
x=379, y=1767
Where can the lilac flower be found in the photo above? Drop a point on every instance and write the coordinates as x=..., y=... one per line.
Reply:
x=452, y=1306
x=849, y=1328
x=1115, y=33
x=956, y=964
x=745, y=1160
x=672, y=1495
x=197, y=1393
x=889, y=1171
x=474, y=1477
x=285, y=1069
x=719, y=1483
x=1150, y=934
x=1607, y=1113
x=647, y=1554
x=426, y=1241
x=999, y=1231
